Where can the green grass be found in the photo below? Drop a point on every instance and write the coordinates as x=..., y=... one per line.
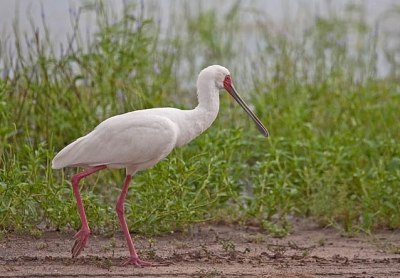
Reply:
x=333, y=154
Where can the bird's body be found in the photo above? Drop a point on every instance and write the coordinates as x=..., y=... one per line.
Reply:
x=140, y=139
x=136, y=139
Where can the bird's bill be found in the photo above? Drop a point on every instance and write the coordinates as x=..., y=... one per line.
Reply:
x=246, y=108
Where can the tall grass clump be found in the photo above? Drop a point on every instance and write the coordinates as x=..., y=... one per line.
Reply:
x=334, y=123
x=333, y=154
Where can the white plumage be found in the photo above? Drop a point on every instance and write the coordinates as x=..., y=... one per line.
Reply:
x=140, y=139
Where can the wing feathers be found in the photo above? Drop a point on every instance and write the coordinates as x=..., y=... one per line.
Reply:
x=121, y=141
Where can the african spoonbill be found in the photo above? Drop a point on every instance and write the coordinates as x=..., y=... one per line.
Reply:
x=140, y=139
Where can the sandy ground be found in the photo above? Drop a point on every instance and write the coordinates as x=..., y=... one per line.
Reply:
x=208, y=251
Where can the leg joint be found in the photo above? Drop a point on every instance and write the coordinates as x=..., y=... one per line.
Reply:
x=119, y=207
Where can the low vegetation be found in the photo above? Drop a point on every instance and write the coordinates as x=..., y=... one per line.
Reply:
x=333, y=154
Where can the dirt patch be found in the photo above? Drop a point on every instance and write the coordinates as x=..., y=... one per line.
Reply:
x=208, y=251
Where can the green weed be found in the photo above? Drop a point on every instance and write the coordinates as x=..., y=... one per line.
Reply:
x=333, y=154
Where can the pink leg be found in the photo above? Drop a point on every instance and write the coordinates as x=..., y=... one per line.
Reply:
x=82, y=237
x=120, y=211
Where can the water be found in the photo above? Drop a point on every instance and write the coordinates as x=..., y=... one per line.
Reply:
x=289, y=14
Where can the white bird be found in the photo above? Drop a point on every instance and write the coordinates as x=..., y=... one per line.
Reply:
x=140, y=139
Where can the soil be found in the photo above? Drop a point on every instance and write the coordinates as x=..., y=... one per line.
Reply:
x=208, y=251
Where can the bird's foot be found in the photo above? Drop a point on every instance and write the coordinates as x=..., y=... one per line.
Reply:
x=138, y=262
x=81, y=238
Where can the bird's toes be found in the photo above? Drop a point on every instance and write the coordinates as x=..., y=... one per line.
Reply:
x=76, y=249
x=81, y=238
x=130, y=261
x=141, y=263
x=81, y=234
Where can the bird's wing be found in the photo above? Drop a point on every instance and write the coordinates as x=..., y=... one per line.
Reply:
x=122, y=141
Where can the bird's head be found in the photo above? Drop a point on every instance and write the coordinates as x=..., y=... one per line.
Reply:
x=216, y=73
x=222, y=79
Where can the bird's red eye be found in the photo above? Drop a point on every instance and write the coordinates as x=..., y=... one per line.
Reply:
x=227, y=82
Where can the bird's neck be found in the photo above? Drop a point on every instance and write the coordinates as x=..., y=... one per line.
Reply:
x=207, y=110
x=200, y=118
